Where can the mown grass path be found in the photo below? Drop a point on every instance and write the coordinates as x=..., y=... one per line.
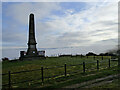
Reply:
x=93, y=83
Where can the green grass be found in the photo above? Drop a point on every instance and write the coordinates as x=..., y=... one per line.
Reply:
x=79, y=78
x=48, y=62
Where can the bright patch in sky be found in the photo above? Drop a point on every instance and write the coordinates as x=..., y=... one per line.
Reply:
x=88, y=26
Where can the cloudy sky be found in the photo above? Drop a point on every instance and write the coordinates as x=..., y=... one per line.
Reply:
x=61, y=27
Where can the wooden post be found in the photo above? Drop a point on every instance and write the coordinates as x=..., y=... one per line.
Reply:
x=94, y=57
x=109, y=63
x=81, y=55
x=42, y=74
x=97, y=65
x=65, y=70
x=102, y=57
x=84, y=67
x=9, y=79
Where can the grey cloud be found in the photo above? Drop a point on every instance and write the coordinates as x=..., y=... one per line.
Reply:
x=104, y=31
x=107, y=42
x=72, y=38
x=50, y=34
x=20, y=11
x=106, y=23
x=101, y=34
x=73, y=34
x=14, y=37
x=62, y=40
x=110, y=40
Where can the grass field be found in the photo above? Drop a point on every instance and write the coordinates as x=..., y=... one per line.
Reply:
x=51, y=62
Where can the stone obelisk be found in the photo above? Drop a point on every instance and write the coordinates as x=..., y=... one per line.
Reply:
x=32, y=53
x=32, y=50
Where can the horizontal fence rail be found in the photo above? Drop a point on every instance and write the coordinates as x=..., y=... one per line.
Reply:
x=53, y=67
x=65, y=72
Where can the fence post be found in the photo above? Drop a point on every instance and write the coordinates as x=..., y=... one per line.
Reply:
x=102, y=57
x=42, y=74
x=84, y=67
x=65, y=70
x=94, y=57
x=109, y=63
x=97, y=65
x=9, y=79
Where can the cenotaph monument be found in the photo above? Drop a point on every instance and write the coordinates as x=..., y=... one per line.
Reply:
x=32, y=52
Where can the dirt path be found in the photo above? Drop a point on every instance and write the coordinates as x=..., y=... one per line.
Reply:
x=92, y=82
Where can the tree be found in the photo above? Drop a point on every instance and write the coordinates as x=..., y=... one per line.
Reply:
x=5, y=59
x=91, y=54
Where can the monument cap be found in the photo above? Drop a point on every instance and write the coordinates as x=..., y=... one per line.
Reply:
x=31, y=15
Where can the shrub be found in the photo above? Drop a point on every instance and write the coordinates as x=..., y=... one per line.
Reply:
x=5, y=59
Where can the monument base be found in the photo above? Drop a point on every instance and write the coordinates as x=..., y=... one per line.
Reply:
x=27, y=57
